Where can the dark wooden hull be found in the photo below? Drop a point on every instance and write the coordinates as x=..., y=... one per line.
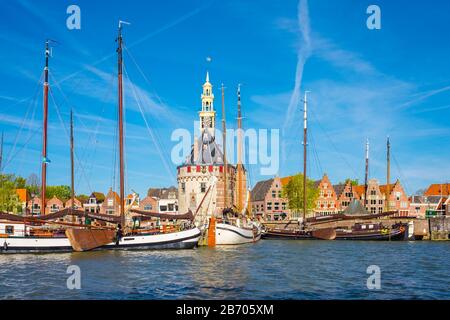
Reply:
x=393, y=235
x=296, y=234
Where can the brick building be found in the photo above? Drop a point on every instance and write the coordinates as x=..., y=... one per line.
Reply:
x=397, y=199
x=345, y=194
x=267, y=199
x=327, y=203
x=94, y=203
x=111, y=205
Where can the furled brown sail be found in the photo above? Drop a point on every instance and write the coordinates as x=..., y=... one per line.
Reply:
x=88, y=239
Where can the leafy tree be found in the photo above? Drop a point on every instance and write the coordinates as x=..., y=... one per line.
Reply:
x=61, y=192
x=33, y=184
x=83, y=198
x=9, y=200
x=354, y=182
x=293, y=191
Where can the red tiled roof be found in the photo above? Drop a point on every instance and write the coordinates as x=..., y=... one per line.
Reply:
x=438, y=189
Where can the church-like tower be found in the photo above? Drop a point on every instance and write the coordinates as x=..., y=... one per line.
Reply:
x=207, y=114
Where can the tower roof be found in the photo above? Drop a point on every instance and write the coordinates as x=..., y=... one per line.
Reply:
x=207, y=149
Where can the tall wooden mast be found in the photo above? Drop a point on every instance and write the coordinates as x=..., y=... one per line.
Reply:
x=366, y=177
x=44, y=131
x=72, y=172
x=240, y=204
x=120, y=117
x=388, y=173
x=305, y=144
x=1, y=154
x=224, y=134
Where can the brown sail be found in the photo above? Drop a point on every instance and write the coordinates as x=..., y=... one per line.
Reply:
x=88, y=239
x=165, y=216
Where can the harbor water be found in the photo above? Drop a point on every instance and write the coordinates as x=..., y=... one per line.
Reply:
x=265, y=270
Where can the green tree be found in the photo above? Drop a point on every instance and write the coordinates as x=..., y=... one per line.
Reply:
x=83, y=198
x=61, y=192
x=9, y=200
x=33, y=184
x=293, y=191
x=354, y=182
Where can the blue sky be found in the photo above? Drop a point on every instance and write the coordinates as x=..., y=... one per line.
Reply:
x=364, y=84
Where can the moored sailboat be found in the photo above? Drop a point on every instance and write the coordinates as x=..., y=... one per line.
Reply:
x=234, y=227
x=125, y=237
x=303, y=231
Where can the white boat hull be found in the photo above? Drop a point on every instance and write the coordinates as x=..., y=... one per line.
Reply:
x=186, y=239
x=227, y=234
x=34, y=245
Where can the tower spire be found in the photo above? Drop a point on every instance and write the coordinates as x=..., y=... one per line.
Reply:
x=207, y=113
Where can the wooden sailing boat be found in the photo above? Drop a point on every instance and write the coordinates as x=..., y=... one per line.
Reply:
x=234, y=227
x=18, y=233
x=123, y=238
x=373, y=230
x=303, y=231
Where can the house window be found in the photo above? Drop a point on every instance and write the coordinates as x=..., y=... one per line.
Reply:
x=279, y=194
x=274, y=194
x=183, y=187
x=202, y=187
x=110, y=211
x=373, y=193
x=9, y=229
x=269, y=205
x=162, y=208
x=171, y=207
x=92, y=200
x=148, y=207
x=110, y=202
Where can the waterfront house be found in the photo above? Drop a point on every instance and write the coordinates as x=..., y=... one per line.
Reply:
x=327, y=203
x=149, y=204
x=54, y=205
x=34, y=205
x=93, y=204
x=418, y=206
x=77, y=204
x=111, y=205
x=397, y=199
x=345, y=194
x=267, y=199
x=375, y=198
x=166, y=199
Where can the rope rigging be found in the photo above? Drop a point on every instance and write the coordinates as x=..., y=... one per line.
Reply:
x=155, y=137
